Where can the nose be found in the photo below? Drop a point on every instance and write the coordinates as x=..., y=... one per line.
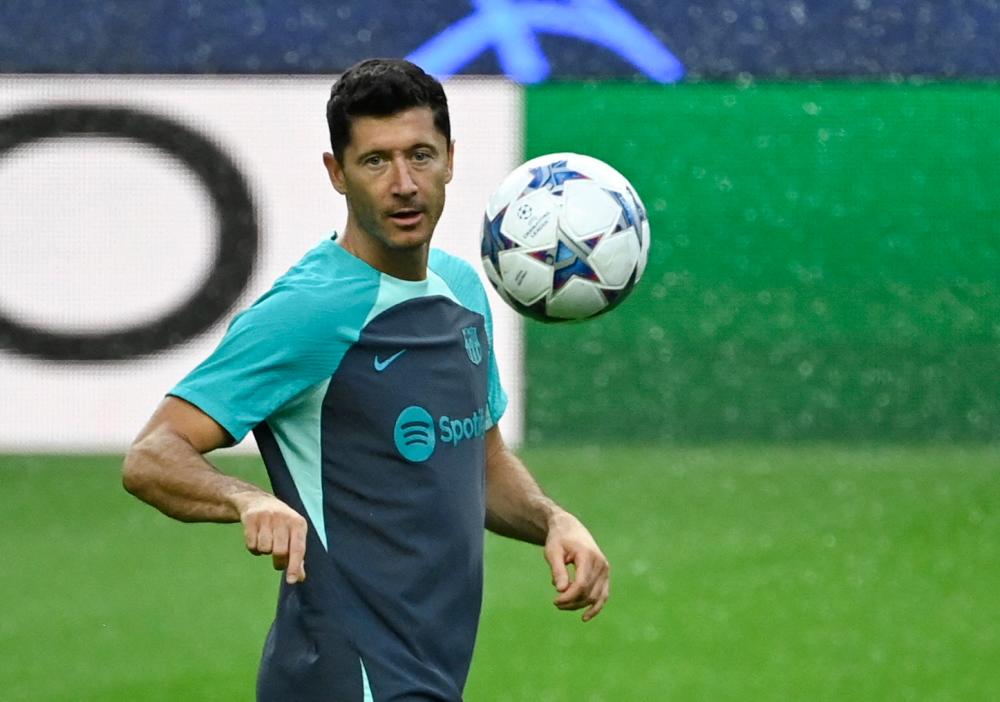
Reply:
x=402, y=180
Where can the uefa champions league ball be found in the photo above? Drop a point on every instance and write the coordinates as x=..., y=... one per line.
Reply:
x=565, y=237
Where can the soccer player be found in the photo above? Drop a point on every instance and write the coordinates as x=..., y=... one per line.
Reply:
x=368, y=377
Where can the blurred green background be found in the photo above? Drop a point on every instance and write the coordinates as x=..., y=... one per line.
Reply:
x=824, y=264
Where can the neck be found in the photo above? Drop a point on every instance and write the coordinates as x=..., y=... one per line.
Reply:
x=407, y=264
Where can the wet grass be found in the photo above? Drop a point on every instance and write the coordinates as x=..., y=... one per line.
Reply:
x=741, y=572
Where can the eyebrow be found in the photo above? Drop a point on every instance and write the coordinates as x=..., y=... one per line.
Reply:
x=412, y=147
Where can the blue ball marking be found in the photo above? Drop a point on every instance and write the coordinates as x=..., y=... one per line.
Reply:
x=552, y=177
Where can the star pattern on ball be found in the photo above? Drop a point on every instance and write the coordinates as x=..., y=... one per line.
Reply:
x=494, y=241
x=569, y=265
x=632, y=215
x=552, y=176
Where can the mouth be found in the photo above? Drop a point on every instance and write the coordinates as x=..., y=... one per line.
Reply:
x=407, y=217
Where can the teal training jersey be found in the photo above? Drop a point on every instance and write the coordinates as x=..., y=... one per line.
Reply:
x=369, y=397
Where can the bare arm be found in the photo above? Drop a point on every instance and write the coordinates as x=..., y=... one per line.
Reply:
x=165, y=468
x=516, y=507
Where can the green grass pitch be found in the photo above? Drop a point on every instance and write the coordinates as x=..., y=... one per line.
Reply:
x=748, y=572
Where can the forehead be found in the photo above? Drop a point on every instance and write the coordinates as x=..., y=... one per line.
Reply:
x=401, y=130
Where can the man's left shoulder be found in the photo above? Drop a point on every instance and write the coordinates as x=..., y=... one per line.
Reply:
x=449, y=265
x=456, y=271
x=461, y=278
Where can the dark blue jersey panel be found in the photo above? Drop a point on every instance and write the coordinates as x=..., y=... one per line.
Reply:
x=403, y=475
x=310, y=655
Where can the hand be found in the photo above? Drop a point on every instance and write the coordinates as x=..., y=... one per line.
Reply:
x=271, y=526
x=569, y=542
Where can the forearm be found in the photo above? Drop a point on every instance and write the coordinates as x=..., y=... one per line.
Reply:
x=168, y=473
x=516, y=507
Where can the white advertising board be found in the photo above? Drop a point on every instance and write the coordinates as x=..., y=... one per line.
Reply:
x=102, y=232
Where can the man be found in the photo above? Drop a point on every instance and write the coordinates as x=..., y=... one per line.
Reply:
x=368, y=377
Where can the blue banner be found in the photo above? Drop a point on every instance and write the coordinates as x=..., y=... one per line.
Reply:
x=529, y=40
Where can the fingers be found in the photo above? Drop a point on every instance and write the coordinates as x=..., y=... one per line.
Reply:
x=557, y=559
x=265, y=538
x=574, y=596
x=584, y=576
x=279, y=545
x=590, y=587
x=272, y=527
x=297, y=555
x=599, y=601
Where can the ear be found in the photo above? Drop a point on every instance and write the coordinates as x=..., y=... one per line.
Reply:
x=451, y=161
x=336, y=172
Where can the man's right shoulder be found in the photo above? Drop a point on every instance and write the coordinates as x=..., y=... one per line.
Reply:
x=321, y=290
x=323, y=268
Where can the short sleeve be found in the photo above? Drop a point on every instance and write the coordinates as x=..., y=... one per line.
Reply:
x=288, y=341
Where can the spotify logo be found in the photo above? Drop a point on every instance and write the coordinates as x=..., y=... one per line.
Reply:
x=416, y=439
x=414, y=434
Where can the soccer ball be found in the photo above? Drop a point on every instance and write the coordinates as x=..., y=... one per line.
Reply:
x=565, y=237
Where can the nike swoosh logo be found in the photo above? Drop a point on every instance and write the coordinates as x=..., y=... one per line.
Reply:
x=382, y=365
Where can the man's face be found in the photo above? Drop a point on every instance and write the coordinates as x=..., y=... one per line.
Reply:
x=393, y=175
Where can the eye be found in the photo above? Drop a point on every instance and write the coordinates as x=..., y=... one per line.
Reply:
x=422, y=156
x=374, y=160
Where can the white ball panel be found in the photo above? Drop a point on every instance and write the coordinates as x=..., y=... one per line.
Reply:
x=526, y=279
x=579, y=298
x=548, y=159
x=491, y=272
x=615, y=257
x=532, y=220
x=599, y=171
x=512, y=186
x=588, y=209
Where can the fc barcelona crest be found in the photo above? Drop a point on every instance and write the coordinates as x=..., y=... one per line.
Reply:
x=472, y=346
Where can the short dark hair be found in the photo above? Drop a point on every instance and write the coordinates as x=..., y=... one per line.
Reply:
x=382, y=87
